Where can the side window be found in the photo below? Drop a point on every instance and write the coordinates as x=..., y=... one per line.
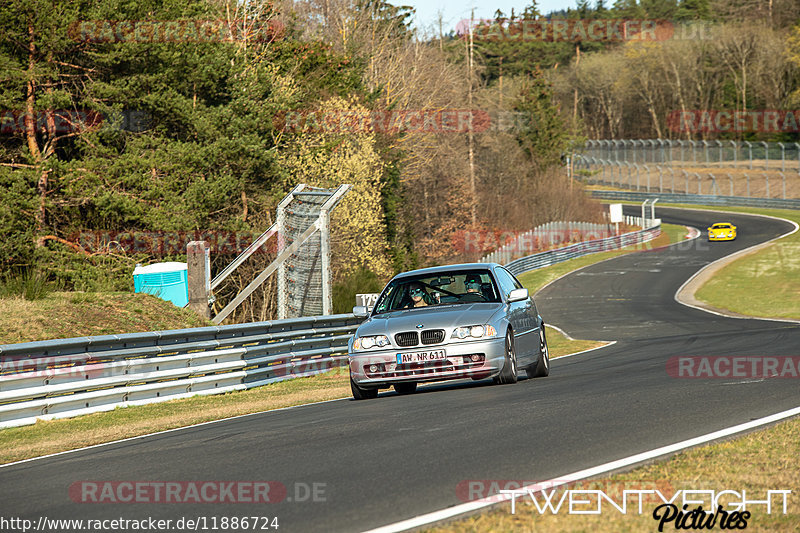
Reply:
x=506, y=281
x=517, y=284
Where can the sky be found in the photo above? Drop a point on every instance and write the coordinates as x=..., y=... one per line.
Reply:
x=455, y=10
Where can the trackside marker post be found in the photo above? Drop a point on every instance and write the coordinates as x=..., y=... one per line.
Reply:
x=198, y=262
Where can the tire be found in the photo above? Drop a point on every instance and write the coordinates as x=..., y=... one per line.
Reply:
x=363, y=393
x=508, y=375
x=542, y=368
x=405, y=388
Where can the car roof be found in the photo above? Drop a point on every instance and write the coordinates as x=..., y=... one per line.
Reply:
x=447, y=268
x=722, y=224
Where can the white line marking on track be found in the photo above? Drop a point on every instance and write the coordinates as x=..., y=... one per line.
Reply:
x=558, y=329
x=457, y=510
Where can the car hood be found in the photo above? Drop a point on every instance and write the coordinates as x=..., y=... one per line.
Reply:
x=443, y=316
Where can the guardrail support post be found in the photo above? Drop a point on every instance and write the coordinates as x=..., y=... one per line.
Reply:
x=198, y=265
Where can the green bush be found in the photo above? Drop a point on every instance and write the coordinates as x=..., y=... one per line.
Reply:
x=26, y=284
x=359, y=282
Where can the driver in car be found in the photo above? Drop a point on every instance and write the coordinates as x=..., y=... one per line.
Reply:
x=417, y=293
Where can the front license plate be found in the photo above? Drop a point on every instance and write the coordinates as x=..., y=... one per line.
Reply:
x=421, y=357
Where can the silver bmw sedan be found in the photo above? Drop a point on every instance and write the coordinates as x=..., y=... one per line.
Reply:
x=447, y=322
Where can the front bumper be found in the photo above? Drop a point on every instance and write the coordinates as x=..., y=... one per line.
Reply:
x=457, y=365
x=721, y=237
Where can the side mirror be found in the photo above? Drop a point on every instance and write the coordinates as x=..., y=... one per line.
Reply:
x=517, y=295
x=361, y=311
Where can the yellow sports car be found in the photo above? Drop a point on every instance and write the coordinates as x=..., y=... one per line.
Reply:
x=722, y=231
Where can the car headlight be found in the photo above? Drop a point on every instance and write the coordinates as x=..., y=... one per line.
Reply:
x=365, y=343
x=473, y=331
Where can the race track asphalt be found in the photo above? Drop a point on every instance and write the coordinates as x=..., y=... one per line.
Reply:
x=380, y=461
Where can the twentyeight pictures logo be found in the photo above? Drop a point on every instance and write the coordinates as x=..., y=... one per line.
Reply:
x=696, y=508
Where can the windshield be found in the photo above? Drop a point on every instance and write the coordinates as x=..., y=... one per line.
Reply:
x=440, y=289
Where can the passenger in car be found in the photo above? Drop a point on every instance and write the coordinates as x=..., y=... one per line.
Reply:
x=473, y=284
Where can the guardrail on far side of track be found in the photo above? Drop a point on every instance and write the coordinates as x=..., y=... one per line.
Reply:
x=551, y=257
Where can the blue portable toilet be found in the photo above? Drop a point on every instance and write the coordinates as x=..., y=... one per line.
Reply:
x=169, y=281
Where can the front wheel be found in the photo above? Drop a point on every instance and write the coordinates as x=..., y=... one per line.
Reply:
x=509, y=373
x=360, y=393
x=542, y=368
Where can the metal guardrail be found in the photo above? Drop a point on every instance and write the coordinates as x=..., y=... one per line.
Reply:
x=69, y=377
x=551, y=257
x=700, y=199
x=545, y=235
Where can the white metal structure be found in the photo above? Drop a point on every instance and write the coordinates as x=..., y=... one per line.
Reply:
x=301, y=214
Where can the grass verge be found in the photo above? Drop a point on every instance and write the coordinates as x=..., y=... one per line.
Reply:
x=757, y=462
x=773, y=271
x=61, y=315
